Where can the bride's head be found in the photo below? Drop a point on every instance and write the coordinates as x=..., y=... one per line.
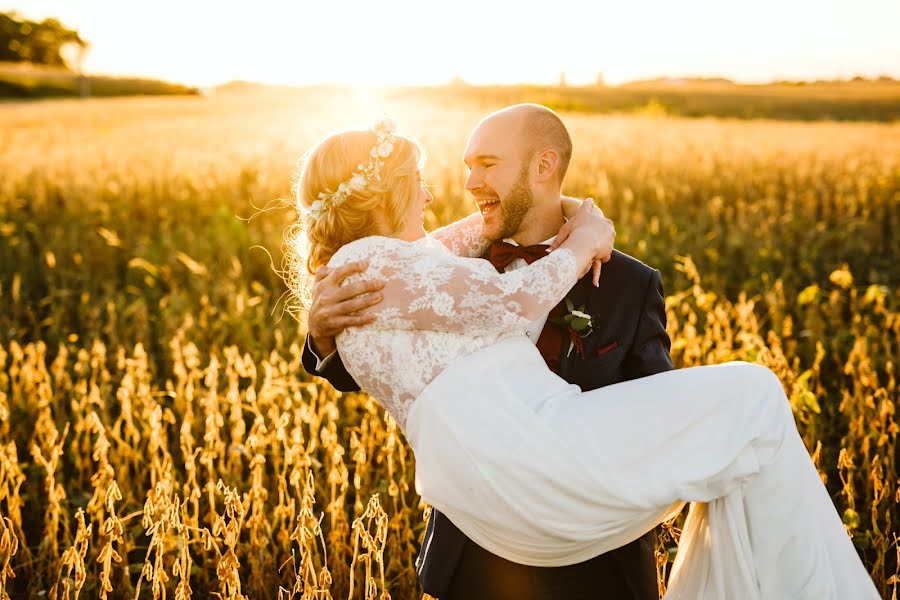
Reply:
x=355, y=184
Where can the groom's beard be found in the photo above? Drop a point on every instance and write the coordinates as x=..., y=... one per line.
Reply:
x=515, y=206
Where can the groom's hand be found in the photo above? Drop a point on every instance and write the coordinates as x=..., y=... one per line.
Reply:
x=335, y=307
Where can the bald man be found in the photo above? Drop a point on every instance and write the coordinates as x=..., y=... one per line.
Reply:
x=517, y=159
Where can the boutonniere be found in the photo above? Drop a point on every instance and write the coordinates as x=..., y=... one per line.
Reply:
x=578, y=324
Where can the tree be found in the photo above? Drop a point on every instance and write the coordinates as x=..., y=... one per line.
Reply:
x=41, y=42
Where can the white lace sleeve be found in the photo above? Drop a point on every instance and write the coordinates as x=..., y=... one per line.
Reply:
x=463, y=237
x=427, y=288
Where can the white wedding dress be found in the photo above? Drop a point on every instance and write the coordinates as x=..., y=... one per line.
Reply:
x=535, y=471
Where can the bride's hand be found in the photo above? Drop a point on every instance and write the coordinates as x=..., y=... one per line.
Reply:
x=571, y=205
x=598, y=231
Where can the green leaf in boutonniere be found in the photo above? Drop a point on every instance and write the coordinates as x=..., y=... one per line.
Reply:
x=578, y=324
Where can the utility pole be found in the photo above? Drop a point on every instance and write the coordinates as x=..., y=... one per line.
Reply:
x=84, y=84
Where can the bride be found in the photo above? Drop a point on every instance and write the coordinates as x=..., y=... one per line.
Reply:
x=567, y=475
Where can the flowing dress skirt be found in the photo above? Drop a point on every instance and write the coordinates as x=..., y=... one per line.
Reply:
x=537, y=472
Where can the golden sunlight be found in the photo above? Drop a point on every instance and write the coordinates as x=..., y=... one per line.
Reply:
x=406, y=42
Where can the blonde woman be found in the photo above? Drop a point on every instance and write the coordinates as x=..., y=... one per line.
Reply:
x=561, y=470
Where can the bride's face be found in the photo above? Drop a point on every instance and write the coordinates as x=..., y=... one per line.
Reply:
x=414, y=223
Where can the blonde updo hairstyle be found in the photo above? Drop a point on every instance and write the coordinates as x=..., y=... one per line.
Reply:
x=379, y=209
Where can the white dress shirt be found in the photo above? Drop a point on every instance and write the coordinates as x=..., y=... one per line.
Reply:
x=533, y=331
x=321, y=363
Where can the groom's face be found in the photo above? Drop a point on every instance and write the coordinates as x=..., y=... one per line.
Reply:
x=498, y=177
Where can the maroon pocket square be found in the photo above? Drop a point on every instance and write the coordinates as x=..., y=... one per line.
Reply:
x=607, y=348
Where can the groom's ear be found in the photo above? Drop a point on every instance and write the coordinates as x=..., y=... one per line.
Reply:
x=547, y=165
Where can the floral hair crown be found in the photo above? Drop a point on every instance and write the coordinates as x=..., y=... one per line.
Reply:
x=364, y=173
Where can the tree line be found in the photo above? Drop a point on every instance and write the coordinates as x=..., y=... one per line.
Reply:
x=39, y=42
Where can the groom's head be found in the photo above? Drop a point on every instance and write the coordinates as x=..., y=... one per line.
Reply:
x=517, y=158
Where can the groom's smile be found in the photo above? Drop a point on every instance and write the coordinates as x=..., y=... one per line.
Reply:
x=491, y=209
x=487, y=205
x=493, y=184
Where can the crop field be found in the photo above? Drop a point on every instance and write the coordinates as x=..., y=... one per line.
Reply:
x=159, y=437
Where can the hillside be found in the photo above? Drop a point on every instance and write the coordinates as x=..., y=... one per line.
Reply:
x=877, y=100
x=22, y=81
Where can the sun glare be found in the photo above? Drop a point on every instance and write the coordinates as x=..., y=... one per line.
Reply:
x=405, y=42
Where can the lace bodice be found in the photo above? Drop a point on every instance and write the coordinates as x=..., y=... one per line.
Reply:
x=463, y=237
x=439, y=307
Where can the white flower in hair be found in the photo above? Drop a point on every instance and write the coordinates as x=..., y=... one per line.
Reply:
x=365, y=173
x=358, y=183
x=385, y=149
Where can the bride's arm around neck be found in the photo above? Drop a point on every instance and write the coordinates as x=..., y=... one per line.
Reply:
x=464, y=237
x=426, y=288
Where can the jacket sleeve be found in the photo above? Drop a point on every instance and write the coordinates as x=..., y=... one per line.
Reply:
x=649, y=354
x=333, y=371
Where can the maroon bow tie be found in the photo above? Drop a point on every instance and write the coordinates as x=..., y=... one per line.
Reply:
x=503, y=253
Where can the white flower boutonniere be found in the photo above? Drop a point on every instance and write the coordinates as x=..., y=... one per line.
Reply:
x=578, y=324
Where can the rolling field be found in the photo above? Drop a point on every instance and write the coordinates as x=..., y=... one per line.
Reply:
x=159, y=437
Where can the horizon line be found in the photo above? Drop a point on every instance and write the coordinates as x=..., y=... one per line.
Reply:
x=462, y=81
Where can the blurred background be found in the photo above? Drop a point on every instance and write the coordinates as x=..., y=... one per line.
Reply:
x=152, y=404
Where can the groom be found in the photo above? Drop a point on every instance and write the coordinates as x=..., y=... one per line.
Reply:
x=517, y=158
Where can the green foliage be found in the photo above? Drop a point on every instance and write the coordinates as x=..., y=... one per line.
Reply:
x=38, y=42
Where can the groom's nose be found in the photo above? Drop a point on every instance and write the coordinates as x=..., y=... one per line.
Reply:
x=473, y=182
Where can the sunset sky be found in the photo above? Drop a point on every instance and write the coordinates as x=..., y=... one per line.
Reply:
x=202, y=42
